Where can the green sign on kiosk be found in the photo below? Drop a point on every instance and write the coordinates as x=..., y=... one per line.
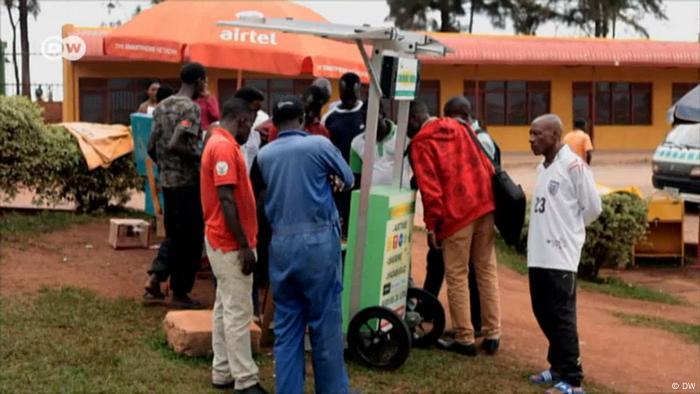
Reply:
x=387, y=256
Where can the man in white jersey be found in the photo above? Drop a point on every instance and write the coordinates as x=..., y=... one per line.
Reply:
x=564, y=202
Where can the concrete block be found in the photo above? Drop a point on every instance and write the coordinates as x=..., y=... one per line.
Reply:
x=189, y=332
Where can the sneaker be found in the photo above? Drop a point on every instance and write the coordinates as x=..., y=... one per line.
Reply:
x=257, y=389
x=223, y=386
x=490, y=346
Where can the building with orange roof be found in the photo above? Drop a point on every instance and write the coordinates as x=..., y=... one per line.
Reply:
x=623, y=88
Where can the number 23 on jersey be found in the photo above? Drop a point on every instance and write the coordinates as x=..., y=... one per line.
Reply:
x=540, y=204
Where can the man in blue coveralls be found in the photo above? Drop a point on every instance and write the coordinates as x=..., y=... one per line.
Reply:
x=297, y=174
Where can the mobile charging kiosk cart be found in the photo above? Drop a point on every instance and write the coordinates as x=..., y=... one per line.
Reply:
x=382, y=316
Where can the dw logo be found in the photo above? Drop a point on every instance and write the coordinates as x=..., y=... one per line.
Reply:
x=71, y=48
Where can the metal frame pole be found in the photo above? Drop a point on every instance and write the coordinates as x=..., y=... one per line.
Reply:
x=367, y=165
x=401, y=139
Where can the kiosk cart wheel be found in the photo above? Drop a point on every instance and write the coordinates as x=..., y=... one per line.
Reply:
x=425, y=317
x=385, y=349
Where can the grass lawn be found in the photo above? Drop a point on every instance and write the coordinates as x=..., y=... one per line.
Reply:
x=611, y=286
x=73, y=341
x=15, y=224
x=689, y=332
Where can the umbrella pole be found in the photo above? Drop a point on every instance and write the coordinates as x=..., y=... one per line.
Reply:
x=239, y=79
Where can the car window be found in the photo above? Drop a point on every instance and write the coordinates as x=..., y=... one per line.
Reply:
x=687, y=136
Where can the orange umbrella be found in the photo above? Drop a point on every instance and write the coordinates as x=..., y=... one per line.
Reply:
x=178, y=31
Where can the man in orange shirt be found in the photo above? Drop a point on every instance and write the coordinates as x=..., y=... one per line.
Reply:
x=579, y=141
x=230, y=233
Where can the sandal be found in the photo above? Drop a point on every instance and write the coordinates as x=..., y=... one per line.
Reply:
x=544, y=377
x=564, y=388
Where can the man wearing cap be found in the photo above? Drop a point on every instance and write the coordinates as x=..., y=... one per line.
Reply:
x=297, y=173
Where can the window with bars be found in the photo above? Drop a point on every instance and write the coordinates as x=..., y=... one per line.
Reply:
x=583, y=101
x=501, y=103
x=272, y=89
x=623, y=103
x=113, y=100
x=679, y=90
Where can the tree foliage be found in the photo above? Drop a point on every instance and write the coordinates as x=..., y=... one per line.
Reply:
x=416, y=14
x=599, y=18
x=528, y=15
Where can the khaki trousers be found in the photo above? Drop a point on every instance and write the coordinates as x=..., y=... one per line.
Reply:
x=475, y=242
x=232, y=315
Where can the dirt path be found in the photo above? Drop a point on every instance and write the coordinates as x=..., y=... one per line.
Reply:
x=81, y=257
x=625, y=358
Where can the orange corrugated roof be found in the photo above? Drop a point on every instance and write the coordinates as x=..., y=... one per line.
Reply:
x=550, y=51
x=518, y=50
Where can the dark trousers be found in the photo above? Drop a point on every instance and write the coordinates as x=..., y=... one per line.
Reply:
x=342, y=203
x=553, y=295
x=179, y=255
x=435, y=273
x=261, y=276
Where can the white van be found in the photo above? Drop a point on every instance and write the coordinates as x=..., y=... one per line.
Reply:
x=676, y=163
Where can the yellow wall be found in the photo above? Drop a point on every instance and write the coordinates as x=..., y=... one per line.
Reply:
x=515, y=138
x=510, y=138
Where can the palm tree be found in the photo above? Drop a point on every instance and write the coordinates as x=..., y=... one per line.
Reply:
x=528, y=15
x=9, y=4
x=413, y=14
x=25, y=8
x=600, y=17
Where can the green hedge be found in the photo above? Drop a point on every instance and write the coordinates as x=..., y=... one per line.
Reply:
x=21, y=131
x=611, y=238
x=48, y=160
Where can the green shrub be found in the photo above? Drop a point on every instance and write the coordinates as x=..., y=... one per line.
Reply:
x=70, y=179
x=611, y=238
x=47, y=160
x=21, y=127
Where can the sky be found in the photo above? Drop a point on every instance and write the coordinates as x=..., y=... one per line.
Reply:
x=683, y=24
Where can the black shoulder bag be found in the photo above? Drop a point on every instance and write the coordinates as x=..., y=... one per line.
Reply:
x=510, y=201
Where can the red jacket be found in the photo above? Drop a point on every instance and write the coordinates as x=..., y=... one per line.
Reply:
x=453, y=176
